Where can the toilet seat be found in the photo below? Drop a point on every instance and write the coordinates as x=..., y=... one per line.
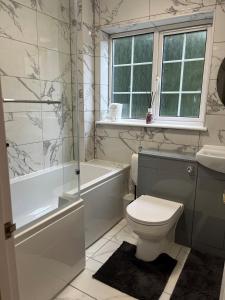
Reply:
x=153, y=211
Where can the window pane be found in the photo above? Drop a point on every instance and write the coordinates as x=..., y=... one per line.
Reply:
x=173, y=47
x=140, y=105
x=143, y=47
x=122, y=50
x=121, y=80
x=142, y=78
x=169, y=104
x=125, y=100
x=190, y=105
x=193, y=72
x=195, y=44
x=171, y=77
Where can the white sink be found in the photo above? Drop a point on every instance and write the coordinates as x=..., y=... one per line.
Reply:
x=212, y=157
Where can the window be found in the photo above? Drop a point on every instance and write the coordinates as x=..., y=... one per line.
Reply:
x=166, y=67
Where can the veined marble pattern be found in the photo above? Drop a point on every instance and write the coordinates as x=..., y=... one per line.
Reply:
x=214, y=104
x=57, y=37
x=58, y=9
x=18, y=59
x=17, y=22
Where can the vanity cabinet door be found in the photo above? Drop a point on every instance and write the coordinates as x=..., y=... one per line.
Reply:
x=209, y=216
x=174, y=180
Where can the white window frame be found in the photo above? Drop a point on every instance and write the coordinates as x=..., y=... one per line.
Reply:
x=157, y=71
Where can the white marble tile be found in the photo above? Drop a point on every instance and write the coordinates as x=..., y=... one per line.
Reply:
x=117, y=11
x=52, y=151
x=20, y=88
x=102, y=70
x=183, y=149
x=101, y=97
x=115, y=229
x=24, y=159
x=87, y=46
x=89, y=124
x=104, y=253
x=67, y=150
x=71, y=293
x=54, y=66
x=86, y=97
x=58, y=9
x=95, y=247
x=51, y=125
x=29, y=3
x=22, y=107
x=165, y=296
x=117, y=150
x=219, y=34
x=53, y=34
x=125, y=234
x=181, y=258
x=93, y=265
x=215, y=134
x=86, y=66
x=214, y=104
x=23, y=127
x=18, y=22
x=172, y=8
x=84, y=282
x=101, y=44
x=217, y=58
x=18, y=59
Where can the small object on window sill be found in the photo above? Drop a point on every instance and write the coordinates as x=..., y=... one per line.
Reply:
x=115, y=111
x=149, y=116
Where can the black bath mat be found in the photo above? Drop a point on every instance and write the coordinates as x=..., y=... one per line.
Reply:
x=200, y=278
x=139, y=279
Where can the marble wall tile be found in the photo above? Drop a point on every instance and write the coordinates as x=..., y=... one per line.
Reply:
x=24, y=159
x=57, y=35
x=218, y=55
x=88, y=40
x=23, y=127
x=219, y=34
x=101, y=97
x=54, y=66
x=29, y=3
x=86, y=97
x=17, y=22
x=114, y=149
x=101, y=43
x=52, y=151
x=58, y=9
x=102, y=70
x=216, y=131
x=121, y=10
x=22, y=107
x=214, y=104
x=20, y=88
x=68, y=150
x=18, y=59
x=174, y=7
x=89, y=125
x=86, y=69
x=89, y=151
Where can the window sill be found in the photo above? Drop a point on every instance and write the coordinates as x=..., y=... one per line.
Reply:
x=141, y=123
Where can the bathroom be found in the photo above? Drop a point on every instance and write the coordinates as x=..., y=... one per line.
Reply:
x=112, y=149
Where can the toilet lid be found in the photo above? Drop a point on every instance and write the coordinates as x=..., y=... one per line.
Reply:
x=151, y=210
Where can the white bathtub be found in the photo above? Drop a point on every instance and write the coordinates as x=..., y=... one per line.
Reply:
x=44, y=264
x=103, y=185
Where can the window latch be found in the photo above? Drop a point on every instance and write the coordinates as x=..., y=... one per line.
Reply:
x=9, y=229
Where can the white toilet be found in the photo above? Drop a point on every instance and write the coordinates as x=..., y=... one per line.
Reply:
x=154, y=220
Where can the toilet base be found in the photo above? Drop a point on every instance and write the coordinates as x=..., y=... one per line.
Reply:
x=149, y=250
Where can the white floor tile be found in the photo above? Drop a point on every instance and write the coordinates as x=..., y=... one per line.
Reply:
x=103, y=254
x=71, y=293
x=93, y=265
x=125, y=234
x=165, y=296
x=97, y=289
x=95, y=247
x=115, y=229
x=181, y=258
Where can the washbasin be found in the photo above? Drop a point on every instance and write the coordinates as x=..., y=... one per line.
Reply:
x=212, y=157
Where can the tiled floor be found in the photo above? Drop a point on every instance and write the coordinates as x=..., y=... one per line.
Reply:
x=84, y=287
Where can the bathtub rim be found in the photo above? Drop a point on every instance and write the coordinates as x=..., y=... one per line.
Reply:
x=30, y=229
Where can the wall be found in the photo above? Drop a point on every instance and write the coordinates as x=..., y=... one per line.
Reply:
x=35, y=65
x=117, y=143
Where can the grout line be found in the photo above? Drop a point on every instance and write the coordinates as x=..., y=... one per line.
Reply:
x=82, y=292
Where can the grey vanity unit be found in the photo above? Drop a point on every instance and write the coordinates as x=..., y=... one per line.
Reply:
x=180, y=178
